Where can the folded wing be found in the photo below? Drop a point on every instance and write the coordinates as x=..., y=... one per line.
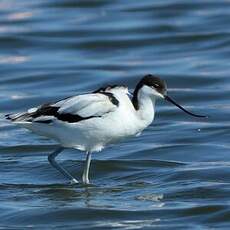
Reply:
x=73, y=109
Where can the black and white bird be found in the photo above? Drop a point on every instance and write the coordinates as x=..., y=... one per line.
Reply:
x=90, y=122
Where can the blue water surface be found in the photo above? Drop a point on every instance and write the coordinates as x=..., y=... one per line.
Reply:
x=176, y=174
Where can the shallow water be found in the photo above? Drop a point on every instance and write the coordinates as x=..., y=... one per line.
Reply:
x=176, y=174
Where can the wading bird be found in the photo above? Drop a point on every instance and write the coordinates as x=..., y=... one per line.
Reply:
x=90, y=122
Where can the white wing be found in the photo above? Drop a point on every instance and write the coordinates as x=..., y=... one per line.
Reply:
x=87, y=105
x=72, y=109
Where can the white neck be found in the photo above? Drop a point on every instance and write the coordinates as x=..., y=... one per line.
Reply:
x=146, y=106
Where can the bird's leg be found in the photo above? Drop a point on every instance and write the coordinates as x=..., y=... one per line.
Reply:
x=85, y=176
x=51, y=159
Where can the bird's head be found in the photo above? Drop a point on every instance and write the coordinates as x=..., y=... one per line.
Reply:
x=155, y=88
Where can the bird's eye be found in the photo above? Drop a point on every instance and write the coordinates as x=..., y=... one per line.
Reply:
x=155, y=86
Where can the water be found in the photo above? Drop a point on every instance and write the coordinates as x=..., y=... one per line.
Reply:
x=176, y=174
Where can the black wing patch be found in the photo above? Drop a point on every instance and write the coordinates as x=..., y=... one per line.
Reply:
x=47, y=110
x=104, y=89
x=111, y=97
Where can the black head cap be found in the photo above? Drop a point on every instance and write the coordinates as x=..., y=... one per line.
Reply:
x=152, y=81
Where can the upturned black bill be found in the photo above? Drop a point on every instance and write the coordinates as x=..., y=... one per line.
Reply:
x=179, y=106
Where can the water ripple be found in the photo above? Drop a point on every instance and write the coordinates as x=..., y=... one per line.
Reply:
x=176, y=174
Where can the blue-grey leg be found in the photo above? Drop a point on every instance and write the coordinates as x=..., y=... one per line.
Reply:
x=85, y=176
x=51, y=159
